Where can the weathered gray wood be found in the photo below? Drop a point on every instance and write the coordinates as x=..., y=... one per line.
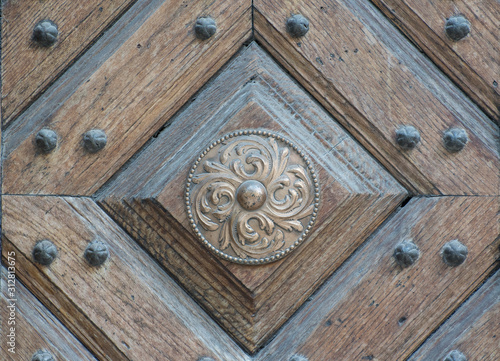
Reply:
x=120, y=310
x=35, y=328
x=132, y=94
x=27, y=68
x=147, y=197
x=473, y=329
x=374, y=309
x=471, y=62
x=367, y=75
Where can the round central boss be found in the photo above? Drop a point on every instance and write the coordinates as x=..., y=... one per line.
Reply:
x=251, y=195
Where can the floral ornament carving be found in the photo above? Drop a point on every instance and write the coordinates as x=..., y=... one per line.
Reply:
x=252, y=196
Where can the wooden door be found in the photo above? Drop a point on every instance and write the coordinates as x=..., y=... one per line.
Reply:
x=250, y=180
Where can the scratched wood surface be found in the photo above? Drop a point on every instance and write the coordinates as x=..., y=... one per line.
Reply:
x=35, y=327
x=473, y=329
x=367, y=74
x=252, y=93
x=374, y=309
x=161, y=291
x=28, y=69
x=473, y=62
x=148, y=77
x=120, y=309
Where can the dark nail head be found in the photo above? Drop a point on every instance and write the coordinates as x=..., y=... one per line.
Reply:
x=455, y=355
x=457, y=27
x=297, y=26
x=46, y=140
x=94, y=140
x=205, y=28
x=407, y=137
x=42, y=355
x=455, y=139
x=45, y=33
x=96, y=253
x=44, y=252
x=406, y=253
x=454, y=253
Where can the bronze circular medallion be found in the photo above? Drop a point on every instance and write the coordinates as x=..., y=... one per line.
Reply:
x=252, y=196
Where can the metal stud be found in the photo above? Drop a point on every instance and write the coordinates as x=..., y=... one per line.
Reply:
x=455, y=139
x=297, y=25
x=96, y=253
x=46, y=140
x=407, y=137
x=455, y=355
x=94, y=140
x=44, y=252
x=298, y=358
x=205, y=28
x=406, y=253
x=457, y=27
x=42, y=355
x=454, y=253
x=45, y=33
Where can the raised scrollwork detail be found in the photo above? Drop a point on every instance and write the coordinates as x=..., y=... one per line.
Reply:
x=252, y=196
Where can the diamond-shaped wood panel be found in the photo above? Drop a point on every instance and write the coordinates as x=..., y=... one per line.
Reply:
x=251, y=93
x=179, y=111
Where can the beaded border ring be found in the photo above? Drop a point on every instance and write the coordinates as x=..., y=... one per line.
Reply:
x=278, y=254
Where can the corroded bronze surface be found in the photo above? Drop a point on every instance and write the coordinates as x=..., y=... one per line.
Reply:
x=252, y=196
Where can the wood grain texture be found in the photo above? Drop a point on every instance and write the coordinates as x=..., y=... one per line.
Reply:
x=147, y=197
x=373, y=309
x=35, y=327
x=373, y=81
x=28, y=69
x=130, y=96
x=120, y=309
x=473, y=329
x=473, y=62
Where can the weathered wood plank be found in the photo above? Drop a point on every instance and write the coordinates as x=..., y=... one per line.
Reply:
x=219, y=293
x=34, y=327
x=374, y=309
x=132, y=94
x=373, y=81
x=252, y=93
x=473, y=329
x=473, y=62
x=28, y=69
x=120, y=309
